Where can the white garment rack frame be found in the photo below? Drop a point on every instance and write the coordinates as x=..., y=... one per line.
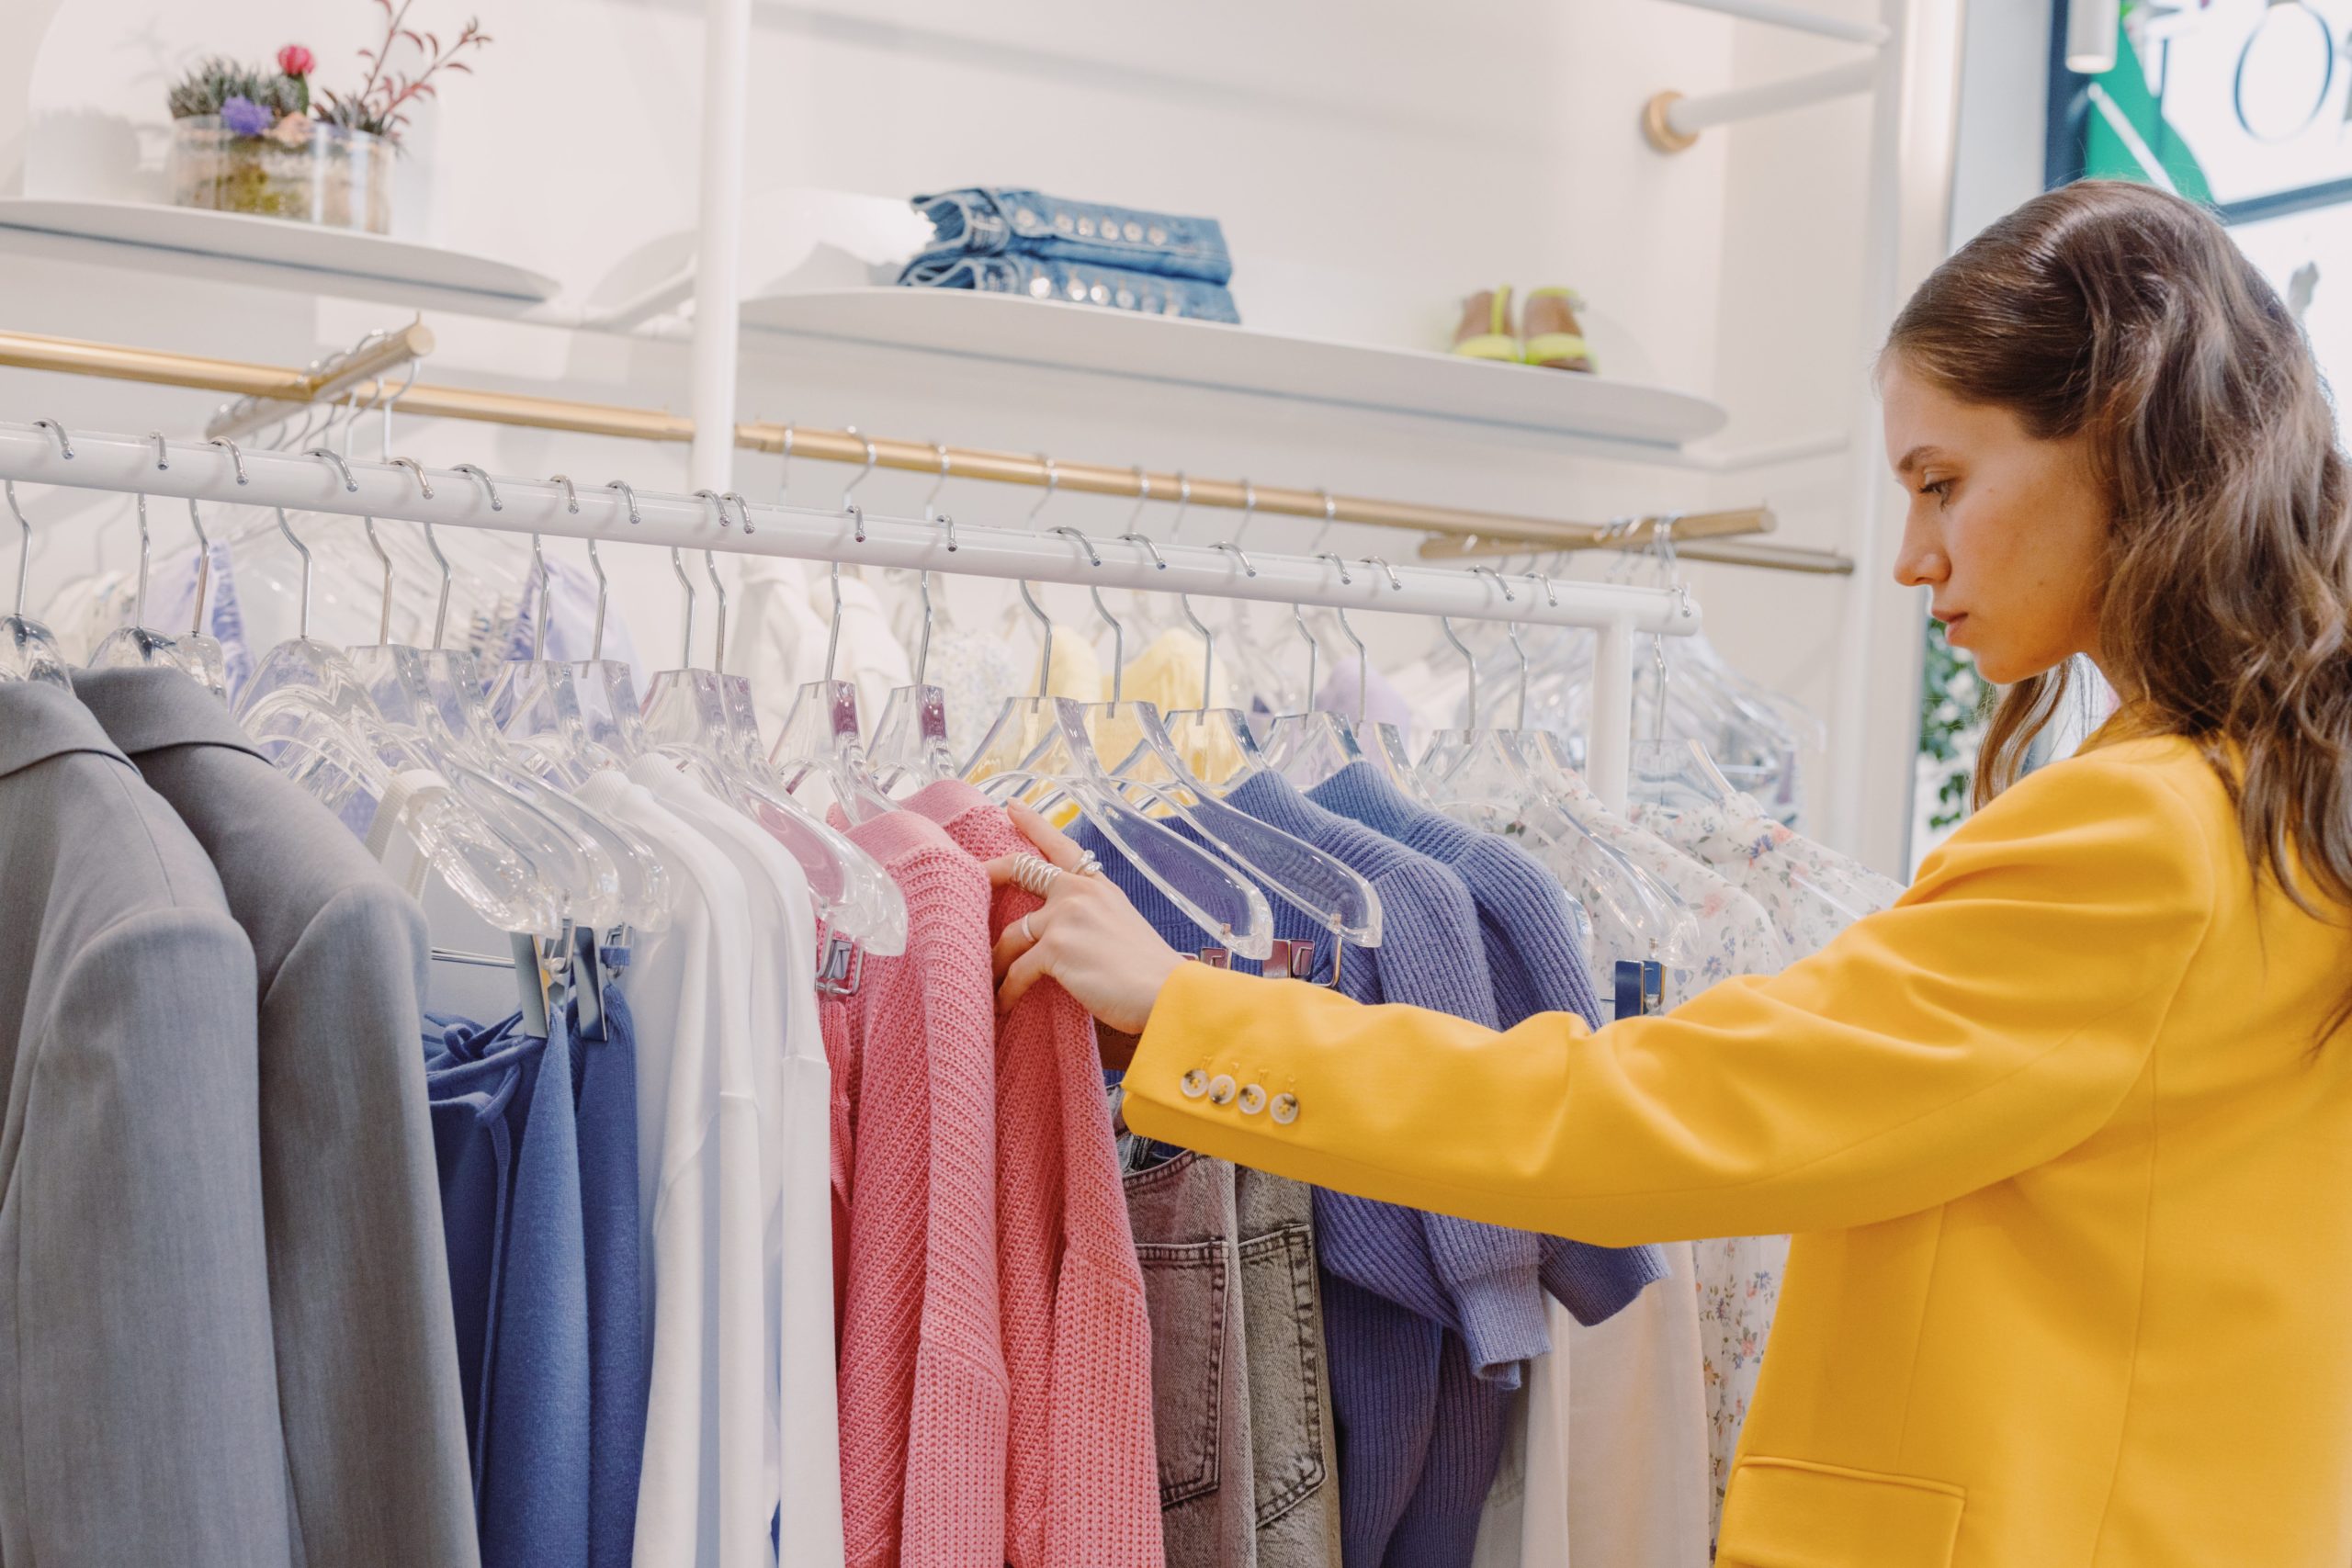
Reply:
x=209, y=474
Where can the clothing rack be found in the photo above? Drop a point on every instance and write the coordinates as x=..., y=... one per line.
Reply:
x=216, y=475
x=267, y=386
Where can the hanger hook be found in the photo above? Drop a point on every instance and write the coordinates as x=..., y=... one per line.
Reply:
x=571, y=494
x=597, y=635
x=939, y=484
x=1393, y=584
x=686, y=644
x=1143, y=489
x=850, y=490
x=1345, y=579
x=1208, y=644
x=718, y=590
x=1364, y=662
x=716, y=504
x=1298, y=614
x=1469, y=661
x=341, y=468
x=922, y=647
x=1183, y=504
x=384, y=609
x=1044, y=630
x=539, y=619
x=1229, y=545
x=784, y=473
x=139, y=599
x=742, y=511
x=474, y=470
x=424, y=485
x=162, y=461
x=64, y=442
x=1490, y=572
x=302, y=626
x=1551, y=596
x=627, y=495
x=1088, y=545
x=24, y=549
x=1118, y=632
x=1149, y=548
x=1053, y=483
x=203, y=565
x=834, y=621
x=1249, y=512
x=237, y=458
x=1330, y=515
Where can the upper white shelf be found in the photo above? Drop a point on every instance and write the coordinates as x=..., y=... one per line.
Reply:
x=1210, y=353
x=297, y=248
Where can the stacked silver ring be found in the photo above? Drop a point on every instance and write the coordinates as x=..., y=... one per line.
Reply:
x=1034, y=873
x=1088, y=863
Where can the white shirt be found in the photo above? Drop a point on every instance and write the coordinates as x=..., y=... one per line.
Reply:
x=800, y=1451
x=689, y=991
x=780, y=621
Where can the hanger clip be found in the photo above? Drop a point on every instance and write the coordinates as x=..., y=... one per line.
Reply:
x=1641, y=988
x=1289, y=960
x=842, y=968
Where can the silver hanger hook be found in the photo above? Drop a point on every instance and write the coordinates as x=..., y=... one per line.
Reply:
x=1394, y=583
x=597, y=635
x=1550, y=595
x=1149, y=548
x=203, y=565
x=627, y=495
x=539, y=619
x=1053, y=483
x=302, y=625
x=1208, y=644
x=716, y=505
x=849, y=491
x=1249, y=512
x=922, y=647
x=571, y=494
x=1306, y=633
x=441, y=606
x=473, y=470
x=423, y=484
x=718, y=590
x=687, y=643
x=237, y=458
x=939, y=484
x=1346, y=580
x=1490, y=572
x=138, y=598
x=1184, y=505
x=742, y=511
x=834, y=621
x=1364, y=662
x=1143, y=489
x=343, y=469
x=64, y=442
x=1084, y=543
x=784, y=474
x=1229, y=545
x=1118, y=632
x=1470, y=663
x=384, y=612
x=1511, y=630
x=1330, y=515
x=25, y=548
x=1044, y=630
x=163, y=461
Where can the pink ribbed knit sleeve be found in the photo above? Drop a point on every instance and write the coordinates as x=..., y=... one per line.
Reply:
x=922, y=1377
x=1082, y=1471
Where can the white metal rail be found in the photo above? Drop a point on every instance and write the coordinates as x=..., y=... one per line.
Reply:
x=213, y=473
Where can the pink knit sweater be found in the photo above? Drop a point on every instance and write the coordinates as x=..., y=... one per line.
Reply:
x=1083, y=1472
x=922, y=1372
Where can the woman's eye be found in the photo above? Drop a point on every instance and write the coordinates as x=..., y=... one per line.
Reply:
x=1939, y=488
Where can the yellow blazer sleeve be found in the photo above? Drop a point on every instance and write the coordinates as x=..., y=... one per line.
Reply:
x=1991, y=1020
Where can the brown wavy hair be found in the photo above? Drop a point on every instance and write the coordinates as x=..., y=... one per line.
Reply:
x=2128, y=314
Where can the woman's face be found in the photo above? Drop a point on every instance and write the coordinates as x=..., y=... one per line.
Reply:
x=2007, y=530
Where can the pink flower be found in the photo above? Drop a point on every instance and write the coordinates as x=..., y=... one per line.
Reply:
x=296, y=61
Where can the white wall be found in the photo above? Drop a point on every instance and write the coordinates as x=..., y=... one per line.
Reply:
x=1371, y=162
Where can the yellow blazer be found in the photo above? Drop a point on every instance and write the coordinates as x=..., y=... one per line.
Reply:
x=2068, y=1165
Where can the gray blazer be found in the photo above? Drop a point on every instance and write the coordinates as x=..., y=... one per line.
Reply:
x=139, y=1418
x=359, y=1274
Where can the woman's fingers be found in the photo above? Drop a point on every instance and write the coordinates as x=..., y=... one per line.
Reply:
x=1053, y=843
x=1019, y=938
x=1030, y=969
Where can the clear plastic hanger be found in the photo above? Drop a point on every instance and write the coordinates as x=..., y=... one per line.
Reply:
x=136, y=646
x=1040, y=745
x=687, y=720
x=1218, y=742
x=28, y=651
x=1260, y=690
x=1310, y=746
x=911, y=745
x=1315, y=883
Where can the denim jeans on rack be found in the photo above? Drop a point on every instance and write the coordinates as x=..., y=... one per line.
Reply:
x=1080, y=282
x=993, y=221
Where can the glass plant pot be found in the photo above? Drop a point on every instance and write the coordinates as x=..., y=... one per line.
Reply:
x=337, y=178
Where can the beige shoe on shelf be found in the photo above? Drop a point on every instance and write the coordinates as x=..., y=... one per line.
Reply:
x=1555, y=340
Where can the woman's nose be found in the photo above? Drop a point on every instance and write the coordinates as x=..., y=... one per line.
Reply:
x=1921, y=562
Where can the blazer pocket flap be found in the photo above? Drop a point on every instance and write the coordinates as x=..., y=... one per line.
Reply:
x=1791, y=1514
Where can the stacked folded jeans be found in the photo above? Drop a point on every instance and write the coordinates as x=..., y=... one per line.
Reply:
x=1023, y=242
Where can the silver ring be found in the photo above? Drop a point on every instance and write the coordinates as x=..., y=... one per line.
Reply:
x=1027, y=935
x=1088, y=863
x=1034, y=873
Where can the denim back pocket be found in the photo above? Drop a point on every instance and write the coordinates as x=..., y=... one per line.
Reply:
x=1187, y=1294
x=1283, y=1322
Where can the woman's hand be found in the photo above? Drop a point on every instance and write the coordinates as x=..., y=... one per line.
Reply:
x=1086, y=936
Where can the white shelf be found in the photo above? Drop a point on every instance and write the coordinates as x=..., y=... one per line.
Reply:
x=294, y=248
x=1123, y=343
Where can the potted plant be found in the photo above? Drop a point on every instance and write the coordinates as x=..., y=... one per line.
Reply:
x=247, y=140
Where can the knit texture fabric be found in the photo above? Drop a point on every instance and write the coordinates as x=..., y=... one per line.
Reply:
x=922, y=1375
x=1082, y=1469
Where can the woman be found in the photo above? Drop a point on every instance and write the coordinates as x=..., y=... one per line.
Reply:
x=2065, y=1137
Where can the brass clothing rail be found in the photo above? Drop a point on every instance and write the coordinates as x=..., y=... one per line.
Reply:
x=268, y=384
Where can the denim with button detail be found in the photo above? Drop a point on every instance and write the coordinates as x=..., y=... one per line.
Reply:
x=1076, y=283
x=987, y=220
